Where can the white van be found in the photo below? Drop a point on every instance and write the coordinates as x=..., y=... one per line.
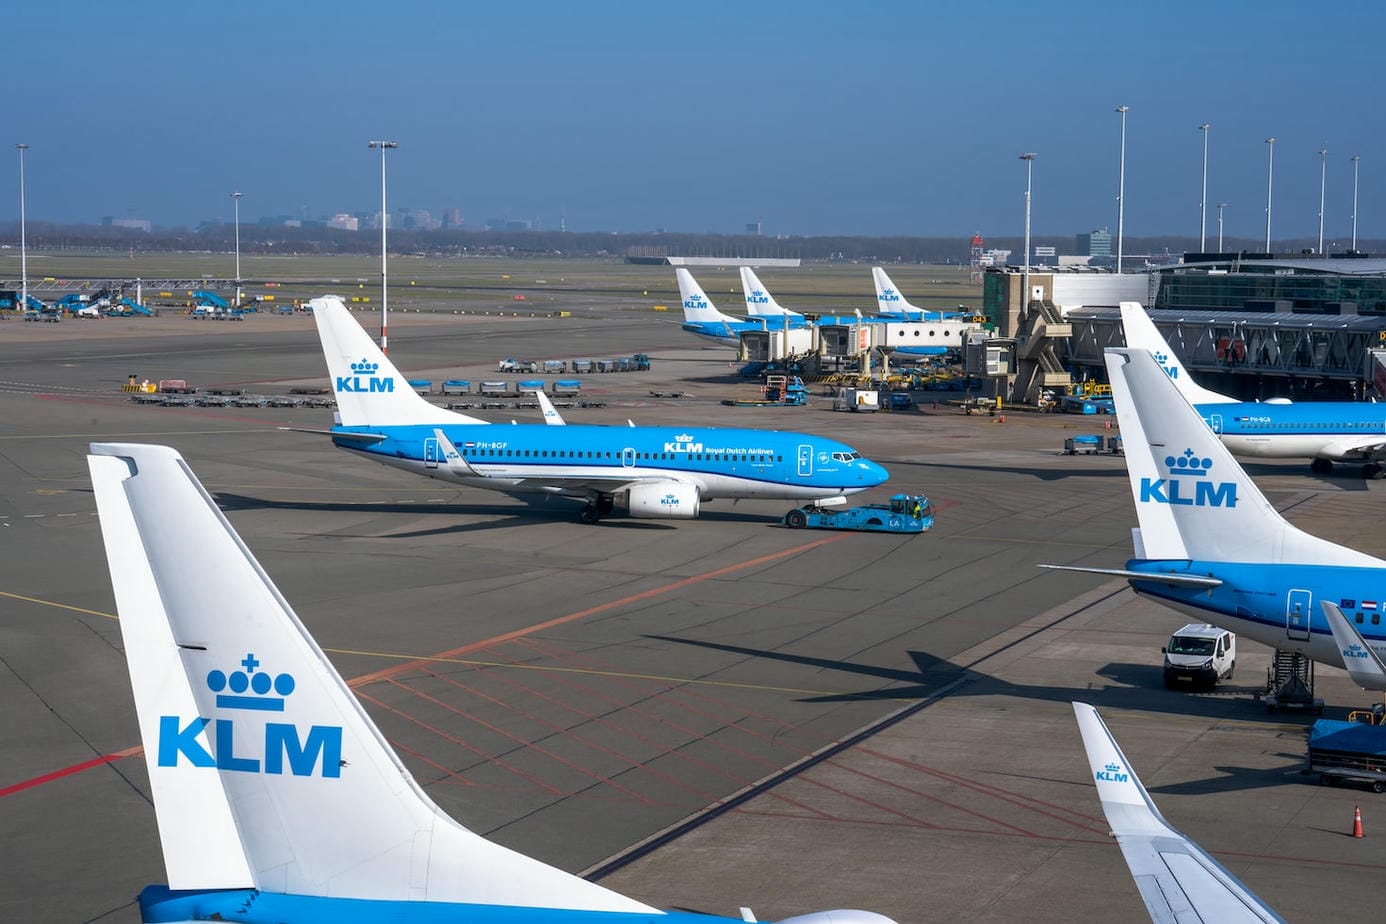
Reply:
x=1200, y=653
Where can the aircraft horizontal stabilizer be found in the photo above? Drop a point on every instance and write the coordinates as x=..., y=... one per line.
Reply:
x=339, y=435
x=1174, y=578
x=1178, y=881
x=1360, y=660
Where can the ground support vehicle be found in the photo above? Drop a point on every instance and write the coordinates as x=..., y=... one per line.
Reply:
x=903, y=513
x=1348, y=751
x=1200, y=654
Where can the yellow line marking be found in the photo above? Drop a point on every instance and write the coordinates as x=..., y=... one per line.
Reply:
x=499, y=664
x=61, y=606
x=581, y=670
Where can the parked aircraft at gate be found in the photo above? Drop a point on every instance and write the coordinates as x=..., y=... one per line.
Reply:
x=1210, y=544
x=1325, y=431
x=663, y=472
x=277, y=797
x=702, y=317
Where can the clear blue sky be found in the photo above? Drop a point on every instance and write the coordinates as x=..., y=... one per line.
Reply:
x=811, y=117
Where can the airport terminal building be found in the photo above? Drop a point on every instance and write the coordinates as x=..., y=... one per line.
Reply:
x=1252, y=325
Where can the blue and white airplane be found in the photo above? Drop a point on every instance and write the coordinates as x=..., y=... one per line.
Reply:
x=1177, y=880
x=1324, y=431
x=1209, y=543
x=702, y=317
x=761, y=304
x=655, y=472
x=277, y=798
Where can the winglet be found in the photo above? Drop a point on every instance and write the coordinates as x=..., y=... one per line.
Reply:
x=456, y=464
x=551, y=415
x=1360, y=660
x=1142, y=334
x=266, y=771
x=1177, y=880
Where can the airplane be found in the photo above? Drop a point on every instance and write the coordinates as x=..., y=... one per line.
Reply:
x=1177, y=880
x=759, y=302
x=655, y=472
x=1210, y=545
x=701, y=316
x=1362, y=662
x=893, y=306
x=277, y=798
x=1325, y=431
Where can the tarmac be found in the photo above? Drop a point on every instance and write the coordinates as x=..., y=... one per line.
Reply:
x=705, y=714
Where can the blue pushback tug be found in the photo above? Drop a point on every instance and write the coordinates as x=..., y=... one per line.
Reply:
x=903, y=513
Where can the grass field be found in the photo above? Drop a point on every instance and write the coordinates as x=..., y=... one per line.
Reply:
x=492, y=283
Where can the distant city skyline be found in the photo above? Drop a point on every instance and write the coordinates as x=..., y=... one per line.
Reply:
x=891, y=119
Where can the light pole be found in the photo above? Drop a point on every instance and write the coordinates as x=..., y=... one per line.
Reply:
x=23, y=247
x=384, y=274
x=1121, y=184
x=1221, y=206
x=236, y=200
x=1270, y=173
x=1323, y=183
x=1355, y=159
x=1029, y=159
x=1203, y=200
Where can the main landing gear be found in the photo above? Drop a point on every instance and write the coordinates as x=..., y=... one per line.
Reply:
x=598, y=506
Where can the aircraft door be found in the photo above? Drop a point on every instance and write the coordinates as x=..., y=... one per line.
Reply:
x=805, y=461
x=432, y=452
x=628, y=458
x=1215, y=422
x=1297, y=615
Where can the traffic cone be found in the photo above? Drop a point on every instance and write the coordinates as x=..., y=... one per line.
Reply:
x=1357, y=821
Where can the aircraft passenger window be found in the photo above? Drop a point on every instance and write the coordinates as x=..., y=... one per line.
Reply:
x=933, y=333
x=1376, y=619
x=1359, y=619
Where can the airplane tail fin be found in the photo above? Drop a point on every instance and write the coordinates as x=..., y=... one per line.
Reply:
x=368, y=388
x=1360, y=660
x=889, y=301
x=1142, y=334
x=758, y=300
x=1176, y=878
x=1193, y=500
x=697, y=307
x=266, y=771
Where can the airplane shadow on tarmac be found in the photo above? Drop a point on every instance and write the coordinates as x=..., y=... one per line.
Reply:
x=1141, y=689
x=534, y=510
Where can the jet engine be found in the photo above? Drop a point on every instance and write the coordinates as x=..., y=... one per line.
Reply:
x=838, y=917
x=664, y=500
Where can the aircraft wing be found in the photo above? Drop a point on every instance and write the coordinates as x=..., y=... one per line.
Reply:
x=1179, y=882
x=1360, y=660
x=1355, y=447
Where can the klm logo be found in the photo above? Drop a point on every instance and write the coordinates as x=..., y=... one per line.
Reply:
x=683, y=442
x=1355, y=651
x=1188, y=484
x=889, y=295
x=1163, y=360
x=757, y=297
x=1111, y=774
x=669, y=500
x=696, y=303
x=363, y=379
x=320, y=749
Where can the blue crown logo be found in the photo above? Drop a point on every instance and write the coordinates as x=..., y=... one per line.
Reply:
x=364, y=367
x=1161, y=358
x=259, y=685
x=1113, y=768
x=1188, y=464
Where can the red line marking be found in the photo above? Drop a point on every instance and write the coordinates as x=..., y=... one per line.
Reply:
x=391, y=672
x=68, y=771
x=397, y=669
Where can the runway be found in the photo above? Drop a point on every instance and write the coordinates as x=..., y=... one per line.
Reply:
x=574, y=692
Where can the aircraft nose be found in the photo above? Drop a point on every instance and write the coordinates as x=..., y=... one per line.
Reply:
x=874, y=474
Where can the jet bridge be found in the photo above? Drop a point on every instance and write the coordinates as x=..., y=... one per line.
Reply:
x=1238, y=352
